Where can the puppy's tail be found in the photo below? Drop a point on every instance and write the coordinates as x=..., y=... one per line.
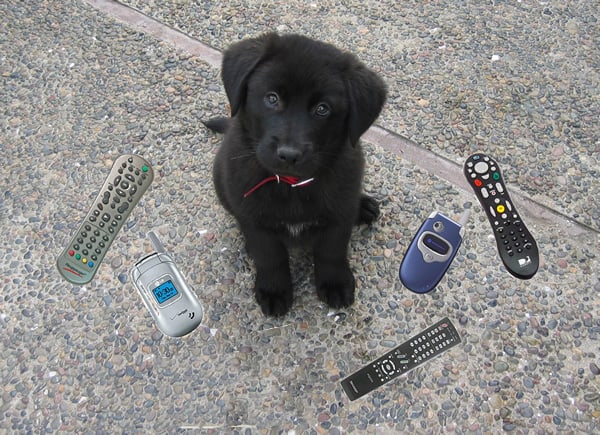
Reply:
x=218, y=125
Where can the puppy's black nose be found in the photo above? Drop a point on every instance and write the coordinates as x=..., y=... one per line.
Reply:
x=288, y=154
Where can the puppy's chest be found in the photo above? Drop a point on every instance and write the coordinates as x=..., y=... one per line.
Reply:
x=297, y=227
x=295, y=218
x=295, y=230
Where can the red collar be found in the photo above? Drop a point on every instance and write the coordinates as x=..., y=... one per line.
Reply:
x=292, y=181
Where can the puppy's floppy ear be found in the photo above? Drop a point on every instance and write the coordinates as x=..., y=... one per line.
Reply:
x=366, y=93
x=239, y=61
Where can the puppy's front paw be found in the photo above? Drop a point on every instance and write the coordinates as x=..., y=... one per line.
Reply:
x=337, y=291
x=273, y=302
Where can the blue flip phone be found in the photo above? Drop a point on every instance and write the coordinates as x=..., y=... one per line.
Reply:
x=430, y=253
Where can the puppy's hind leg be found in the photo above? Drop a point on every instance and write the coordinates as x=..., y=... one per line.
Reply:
x=368, y=210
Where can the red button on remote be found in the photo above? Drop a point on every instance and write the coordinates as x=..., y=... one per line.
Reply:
x=71, y=252
x=478, y=183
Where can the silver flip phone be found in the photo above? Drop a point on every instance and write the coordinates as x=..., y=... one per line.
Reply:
x=170, y=300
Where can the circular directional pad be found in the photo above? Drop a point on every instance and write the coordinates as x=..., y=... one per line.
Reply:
x=481, y=167
x=388, y=367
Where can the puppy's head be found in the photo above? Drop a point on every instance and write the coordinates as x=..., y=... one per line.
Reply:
x=300, y=101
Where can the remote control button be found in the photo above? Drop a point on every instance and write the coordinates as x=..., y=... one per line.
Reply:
x=481, y=167
x=71, y=253
x=500, y=208
x=478, y=183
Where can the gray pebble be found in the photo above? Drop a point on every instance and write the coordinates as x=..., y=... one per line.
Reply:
x=500, y=366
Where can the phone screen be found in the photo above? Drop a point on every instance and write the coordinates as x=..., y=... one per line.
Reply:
x=165, y=291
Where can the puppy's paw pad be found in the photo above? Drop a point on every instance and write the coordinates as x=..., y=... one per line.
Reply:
x=369, y=210
x=273, y=304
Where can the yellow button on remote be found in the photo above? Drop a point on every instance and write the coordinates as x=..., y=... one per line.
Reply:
x=500, y=209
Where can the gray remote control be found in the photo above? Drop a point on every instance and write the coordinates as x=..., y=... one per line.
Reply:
x=127, y=181
x=410, y=354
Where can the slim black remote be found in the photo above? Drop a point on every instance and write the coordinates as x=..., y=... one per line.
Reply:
x=516, y=245
x=127, y=181
x=410, y=354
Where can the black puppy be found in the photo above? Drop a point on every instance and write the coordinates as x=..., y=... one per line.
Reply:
x=290, y=167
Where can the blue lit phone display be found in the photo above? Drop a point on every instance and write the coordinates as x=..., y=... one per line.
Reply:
x=164, y=292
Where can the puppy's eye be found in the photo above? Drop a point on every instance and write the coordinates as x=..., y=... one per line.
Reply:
x=271, y=100
x=322, y=110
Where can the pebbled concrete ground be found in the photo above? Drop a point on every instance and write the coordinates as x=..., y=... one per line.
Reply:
x=81, y=86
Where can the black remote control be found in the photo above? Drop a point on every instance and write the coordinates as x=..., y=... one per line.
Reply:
x=516, y=246
x=410, y=354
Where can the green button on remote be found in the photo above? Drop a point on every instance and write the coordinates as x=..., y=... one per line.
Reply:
x=129, y=177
